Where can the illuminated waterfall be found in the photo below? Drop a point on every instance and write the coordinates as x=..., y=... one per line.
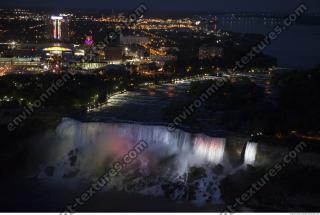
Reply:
x=210, y=148
x=82, y=149
x=83, y=134
x=82, y=152
x=250, y=153
x=86, y=133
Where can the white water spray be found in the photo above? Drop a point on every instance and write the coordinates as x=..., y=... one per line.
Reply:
x=88, y=147
x=85, y=150
x=210, y=148
x=250, y=153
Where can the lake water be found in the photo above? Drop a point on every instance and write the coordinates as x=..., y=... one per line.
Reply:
x=297, y=47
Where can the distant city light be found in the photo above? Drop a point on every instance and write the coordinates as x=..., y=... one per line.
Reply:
x=79, y=52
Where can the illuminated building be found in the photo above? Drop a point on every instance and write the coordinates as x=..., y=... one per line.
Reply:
x=4, y=70
x=88, y=41
x=57, y=57
x=56, y=22
x=57, y=50
x=57, y=28
x=91, y=66
x=79, y=52
x=18, y=61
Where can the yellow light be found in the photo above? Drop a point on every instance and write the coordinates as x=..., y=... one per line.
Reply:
x=56, y=48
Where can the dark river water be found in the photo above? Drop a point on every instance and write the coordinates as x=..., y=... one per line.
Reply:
x=297, y=47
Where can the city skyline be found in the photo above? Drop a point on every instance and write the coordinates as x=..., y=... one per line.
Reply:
x=175, y=5
x=160, y=106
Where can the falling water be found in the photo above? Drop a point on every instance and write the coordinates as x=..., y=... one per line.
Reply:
x=83, y=151
x=91, y=144
x=210, y=148
x=250, y=153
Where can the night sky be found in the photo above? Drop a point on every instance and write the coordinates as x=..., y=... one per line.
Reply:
x=171, y=5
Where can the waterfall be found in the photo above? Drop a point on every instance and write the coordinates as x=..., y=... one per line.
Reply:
x=250, y=153
x=84, y=151
x=84, y=148
x=210, y=148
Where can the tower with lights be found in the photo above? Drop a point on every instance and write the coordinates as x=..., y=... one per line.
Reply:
x=57, y=29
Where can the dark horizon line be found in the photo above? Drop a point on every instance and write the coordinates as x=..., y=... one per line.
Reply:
x=119, y=10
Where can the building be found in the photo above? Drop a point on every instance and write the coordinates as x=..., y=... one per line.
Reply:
x=20, y=55
x=57, y=28
x=88, y=41
x=17, y=61
x=209, y=52
x=58, y=56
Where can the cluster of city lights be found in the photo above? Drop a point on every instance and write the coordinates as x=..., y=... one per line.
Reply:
x=4, y=70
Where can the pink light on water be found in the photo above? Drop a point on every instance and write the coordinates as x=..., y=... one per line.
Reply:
x=209, y=148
